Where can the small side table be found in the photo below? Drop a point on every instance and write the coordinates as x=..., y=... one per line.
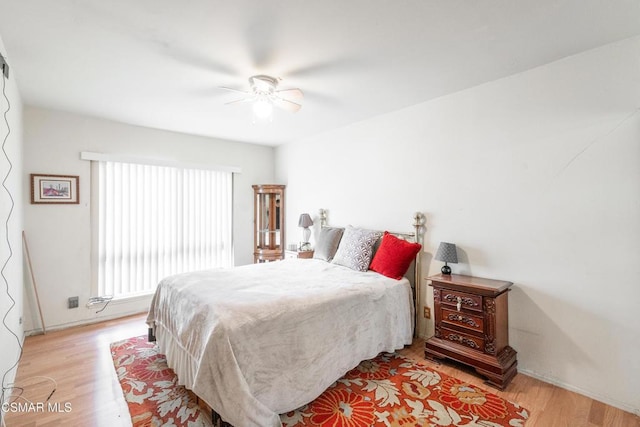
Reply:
x=472, y=325
x=298, y=254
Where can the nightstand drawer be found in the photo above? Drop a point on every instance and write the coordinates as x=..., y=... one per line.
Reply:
x=298, y=254
x=468, y=301
x=305, y=254
x=461, y=338
x=463, y=319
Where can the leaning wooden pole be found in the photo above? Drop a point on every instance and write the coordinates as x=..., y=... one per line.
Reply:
x=33, y=280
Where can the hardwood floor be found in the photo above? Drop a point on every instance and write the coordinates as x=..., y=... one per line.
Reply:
x=79, y=361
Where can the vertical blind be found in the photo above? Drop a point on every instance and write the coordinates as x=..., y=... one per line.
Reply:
x=155, y=221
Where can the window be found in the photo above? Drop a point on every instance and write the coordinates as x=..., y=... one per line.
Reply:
x=155, y=221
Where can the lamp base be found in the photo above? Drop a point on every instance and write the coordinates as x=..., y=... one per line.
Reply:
x=306, y=234
x=445, y=269
x=304, y=246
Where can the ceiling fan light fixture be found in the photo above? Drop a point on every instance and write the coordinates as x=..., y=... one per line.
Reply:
x=262, y=110
x=263, y=85
x=264, y=96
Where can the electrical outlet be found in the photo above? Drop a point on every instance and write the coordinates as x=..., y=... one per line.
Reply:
x=427, y=312
x=20, y=321
x=73, y=302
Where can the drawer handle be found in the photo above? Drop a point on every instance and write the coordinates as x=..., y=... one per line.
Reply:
x=464, y=301
x=463, y=319
x=463, y=340
x=459, y=303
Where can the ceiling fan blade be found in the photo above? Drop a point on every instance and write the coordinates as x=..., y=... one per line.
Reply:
x=239, y=101
x=287, y=105
x=291, y=94
x=198, y=59
x=234, y=90
x=261, y=37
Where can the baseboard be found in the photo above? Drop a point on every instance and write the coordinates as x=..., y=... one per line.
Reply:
x=84, y=322
x=594, y=396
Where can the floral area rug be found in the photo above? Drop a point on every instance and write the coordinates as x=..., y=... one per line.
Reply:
x=389, y=391
x=151, y=388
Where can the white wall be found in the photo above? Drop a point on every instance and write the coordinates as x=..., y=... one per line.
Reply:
x=59, y=236
x=536, y=178
x=11, y=220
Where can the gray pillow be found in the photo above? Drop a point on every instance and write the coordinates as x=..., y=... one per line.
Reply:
x=327, y=243
x=356, y=248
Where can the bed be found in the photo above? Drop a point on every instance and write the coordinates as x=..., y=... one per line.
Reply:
x=259, y=340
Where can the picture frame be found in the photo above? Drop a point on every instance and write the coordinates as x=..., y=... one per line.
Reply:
x=55, y=189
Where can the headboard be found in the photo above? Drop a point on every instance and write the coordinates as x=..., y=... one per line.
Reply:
x=414, y=272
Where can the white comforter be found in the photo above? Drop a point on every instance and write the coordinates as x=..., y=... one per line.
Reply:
x=263, y=339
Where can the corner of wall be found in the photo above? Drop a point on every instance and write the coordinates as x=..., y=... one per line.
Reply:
x=11, y=283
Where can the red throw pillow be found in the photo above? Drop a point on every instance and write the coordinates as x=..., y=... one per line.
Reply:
x=394, y=256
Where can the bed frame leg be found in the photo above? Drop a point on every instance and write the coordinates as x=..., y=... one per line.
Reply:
x=151, y=336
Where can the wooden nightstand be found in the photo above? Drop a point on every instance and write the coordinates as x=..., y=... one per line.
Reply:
x=298, y=254
x=472, y=325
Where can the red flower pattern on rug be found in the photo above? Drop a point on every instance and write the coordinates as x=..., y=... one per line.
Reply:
x=464, y=397
x=151, y=388
x=340, y=408
x=389, y=391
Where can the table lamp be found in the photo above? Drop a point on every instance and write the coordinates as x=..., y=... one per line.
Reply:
x=305, y=222
x=447, y=253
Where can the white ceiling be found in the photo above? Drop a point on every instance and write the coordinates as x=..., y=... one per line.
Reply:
x=159, y=63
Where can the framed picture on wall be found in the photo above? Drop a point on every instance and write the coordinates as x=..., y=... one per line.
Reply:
x=54, y=189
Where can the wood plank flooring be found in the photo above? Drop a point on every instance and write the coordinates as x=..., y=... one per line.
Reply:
x=78, y=359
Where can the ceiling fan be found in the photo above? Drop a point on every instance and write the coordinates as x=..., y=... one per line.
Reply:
x=264, y=95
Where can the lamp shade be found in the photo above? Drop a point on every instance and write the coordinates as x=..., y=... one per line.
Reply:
x=447, y=253
x=305, y=221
